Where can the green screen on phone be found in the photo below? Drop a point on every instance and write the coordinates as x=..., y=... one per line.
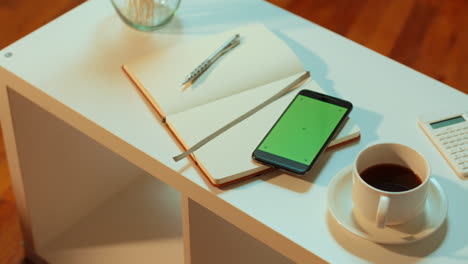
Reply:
x=303, y=129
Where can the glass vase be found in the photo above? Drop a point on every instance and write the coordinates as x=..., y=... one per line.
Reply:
x=146, y=15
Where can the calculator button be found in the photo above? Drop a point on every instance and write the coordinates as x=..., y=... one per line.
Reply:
x=444, y=131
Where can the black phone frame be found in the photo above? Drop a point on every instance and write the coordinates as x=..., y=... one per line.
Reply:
x=279, y=162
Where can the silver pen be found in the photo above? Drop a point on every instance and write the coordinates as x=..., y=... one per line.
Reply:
x=197, y=72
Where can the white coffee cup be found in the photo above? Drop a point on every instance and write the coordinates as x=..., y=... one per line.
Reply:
x=385, y=207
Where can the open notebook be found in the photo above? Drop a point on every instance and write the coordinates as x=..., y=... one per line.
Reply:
x=258, y=68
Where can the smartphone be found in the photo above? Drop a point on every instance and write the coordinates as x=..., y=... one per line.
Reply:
x=302, y=132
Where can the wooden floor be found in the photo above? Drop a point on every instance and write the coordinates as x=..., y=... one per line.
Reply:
x=430, y=36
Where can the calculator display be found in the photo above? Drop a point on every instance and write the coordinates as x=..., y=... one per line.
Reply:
x=447, y=122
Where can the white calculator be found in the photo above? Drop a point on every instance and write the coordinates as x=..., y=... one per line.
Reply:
x=449, y=133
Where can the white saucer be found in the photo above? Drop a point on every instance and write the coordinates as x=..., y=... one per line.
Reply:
x=340, y=205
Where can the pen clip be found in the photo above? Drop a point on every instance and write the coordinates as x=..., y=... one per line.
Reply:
x=230, y=46
x=227, y=46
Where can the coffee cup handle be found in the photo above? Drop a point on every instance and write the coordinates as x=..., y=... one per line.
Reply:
x=382, y=210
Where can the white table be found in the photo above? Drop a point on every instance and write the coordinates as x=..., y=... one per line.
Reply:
x=91, y=164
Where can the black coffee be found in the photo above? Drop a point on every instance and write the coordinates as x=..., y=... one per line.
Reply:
x=391, y=178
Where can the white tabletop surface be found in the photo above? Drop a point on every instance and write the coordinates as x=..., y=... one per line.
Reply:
x=76, y=59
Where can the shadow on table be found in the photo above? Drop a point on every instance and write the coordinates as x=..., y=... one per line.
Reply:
x=367, y=120
x=291, y=181
x=317, y=66
x=304, y=183
x=435, y=245
x=373, y=252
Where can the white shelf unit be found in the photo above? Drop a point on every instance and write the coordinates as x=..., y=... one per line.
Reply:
x=80, y=202
x=86, y=204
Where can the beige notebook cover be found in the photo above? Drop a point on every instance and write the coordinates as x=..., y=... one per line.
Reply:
x=246, y=76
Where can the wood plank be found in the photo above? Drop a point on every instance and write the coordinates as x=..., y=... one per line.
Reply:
x=380, y=24
x=10, y=234
x=407, y=49
x=20, y=17
x=336, y=15
x=443, y=51
x=429, y=36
